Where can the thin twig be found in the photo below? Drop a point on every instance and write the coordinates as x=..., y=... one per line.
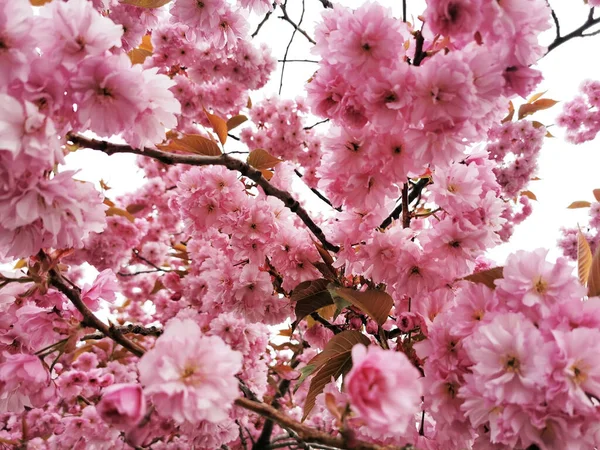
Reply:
x=414, y=194
x=300, y=60
x=326, y=4
x=579, y=32
x=262, y=22
x=233, y=136
x=223, y=160
x=286, y=17
x=296, y=28
x=403, y=10
x=315, y=124
x=318, y=194
x=89, y=319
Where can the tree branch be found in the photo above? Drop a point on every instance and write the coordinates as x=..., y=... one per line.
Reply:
x=133, y=329
x=318, y=194
x=405, y=211
x=579, y=32
x=262, y=22
x=304, y=432
x=286, y=18
x=414, y=194
x=89, y=319
x=223, y=160
x=296, y=28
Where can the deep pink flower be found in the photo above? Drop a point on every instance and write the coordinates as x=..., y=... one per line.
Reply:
x=384, y=389
x=122, y=405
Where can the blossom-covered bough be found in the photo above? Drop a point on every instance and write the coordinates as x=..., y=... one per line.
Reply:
x=146, y=320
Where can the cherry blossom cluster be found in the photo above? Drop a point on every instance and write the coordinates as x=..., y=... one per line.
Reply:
x=581, y=116
x=282, y=131
x=146, y=320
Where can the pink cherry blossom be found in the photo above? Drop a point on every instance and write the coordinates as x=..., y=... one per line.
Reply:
x=24, y=381
x=190, y=376
x=373, y=389
x=122, y=405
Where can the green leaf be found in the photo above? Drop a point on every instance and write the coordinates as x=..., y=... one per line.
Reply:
x=335, y=360
x=262, y=159
x=486, y=277
x=376, y=304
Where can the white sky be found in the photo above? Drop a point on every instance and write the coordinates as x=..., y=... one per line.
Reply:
x=567, y=172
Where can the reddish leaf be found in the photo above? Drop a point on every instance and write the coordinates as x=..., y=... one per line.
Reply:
x=309, y=298
x=376, y=304
x=486, y=277
x=584, y=258
x=529, y=194
x=114, y=211
x=596, y=194
x=511, y=113
x=335, y=360
x=219, y=126
x=539, y=105
x=262, y=159
x=236, y=121
x=579, y=204
x=593, y=281
x=146, y=3
x=138, y=55
x=192, y=143
x=534, y=97
x=135, y=208
x=39, y=2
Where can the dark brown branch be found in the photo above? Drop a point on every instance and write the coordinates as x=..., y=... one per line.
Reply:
x=89, y=319
x=223, y=160
x=405, y=211
x=326, y=4
x=286, y=17
x=128, y=329
x=419, y=53
x=318, y=194
x=296, y=28
x=579, y=32
x=315, y=124
x=262, y=22
x=331, y=327
x=304, y=432
x=300, y=60
x=414, y=194
x=265, y=436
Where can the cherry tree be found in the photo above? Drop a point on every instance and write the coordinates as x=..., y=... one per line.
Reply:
x=353, y=219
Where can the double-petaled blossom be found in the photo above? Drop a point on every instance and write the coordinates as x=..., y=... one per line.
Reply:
x=190, y=376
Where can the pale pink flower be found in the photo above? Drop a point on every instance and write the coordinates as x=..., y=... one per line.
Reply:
x=74, y=30
x=529, y=281
x=122, y=405
x=104, y=287
x=510, y=358
x=190, y=376
x=107, y=91
x=384, y=389
x=17, y=41
x=24, y=381
x=578, y=364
